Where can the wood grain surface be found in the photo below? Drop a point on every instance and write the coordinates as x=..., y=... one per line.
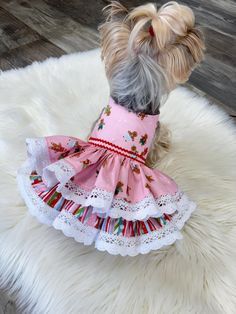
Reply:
x=36, y=29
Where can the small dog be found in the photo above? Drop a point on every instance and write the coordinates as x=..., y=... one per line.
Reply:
x=147, y=52
x=103, y=191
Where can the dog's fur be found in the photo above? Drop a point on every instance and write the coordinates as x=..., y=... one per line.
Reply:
x=142, y=68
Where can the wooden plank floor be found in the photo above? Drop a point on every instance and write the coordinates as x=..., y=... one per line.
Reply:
x=216, y=76
x=33, y=30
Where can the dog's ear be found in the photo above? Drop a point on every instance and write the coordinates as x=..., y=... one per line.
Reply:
x=114, y=11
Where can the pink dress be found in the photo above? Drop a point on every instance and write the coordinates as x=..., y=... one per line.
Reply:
x=101, y=191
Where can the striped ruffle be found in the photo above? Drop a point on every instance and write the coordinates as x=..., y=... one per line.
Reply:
x=115, y=235
x=85, y=215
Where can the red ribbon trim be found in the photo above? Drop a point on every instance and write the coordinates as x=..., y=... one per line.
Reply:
x=116, y=147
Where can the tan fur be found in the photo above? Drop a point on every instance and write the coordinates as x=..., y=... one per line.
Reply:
x=177, y=47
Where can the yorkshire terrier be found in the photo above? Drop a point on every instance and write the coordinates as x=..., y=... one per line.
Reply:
x=147, y=52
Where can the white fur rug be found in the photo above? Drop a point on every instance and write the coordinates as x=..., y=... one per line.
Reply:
x=49, y=273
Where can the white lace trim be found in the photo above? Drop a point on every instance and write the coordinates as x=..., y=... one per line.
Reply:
x=149, y=206
x=114, y=244
x=97, y=197
x=60, y=171
x=104, y=241
x=104, y=203
x=38, y=153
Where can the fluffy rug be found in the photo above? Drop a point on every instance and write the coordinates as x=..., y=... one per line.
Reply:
x=49, y=273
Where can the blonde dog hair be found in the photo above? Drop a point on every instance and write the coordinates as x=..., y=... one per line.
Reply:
x=142, y=67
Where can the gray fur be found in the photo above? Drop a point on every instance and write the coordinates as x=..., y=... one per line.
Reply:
x=139, y=84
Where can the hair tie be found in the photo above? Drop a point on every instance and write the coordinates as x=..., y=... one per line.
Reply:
x=151, y=32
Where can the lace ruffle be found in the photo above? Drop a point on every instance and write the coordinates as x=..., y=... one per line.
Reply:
x=147, y=242
x=149, y=206
x=114, y=244
x=60, y=171
x=100, y=200
x=97, y=197
x=38, y=153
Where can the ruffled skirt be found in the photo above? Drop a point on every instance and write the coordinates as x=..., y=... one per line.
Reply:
x=97, y=196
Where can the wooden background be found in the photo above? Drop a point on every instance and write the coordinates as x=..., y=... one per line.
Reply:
x=36, y=29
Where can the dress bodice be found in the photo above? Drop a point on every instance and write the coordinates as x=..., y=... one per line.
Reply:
x=127, y=133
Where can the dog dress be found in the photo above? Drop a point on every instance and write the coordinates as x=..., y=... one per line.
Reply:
x=100, y=191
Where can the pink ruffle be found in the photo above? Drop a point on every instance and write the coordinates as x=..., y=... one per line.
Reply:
x=114, y=185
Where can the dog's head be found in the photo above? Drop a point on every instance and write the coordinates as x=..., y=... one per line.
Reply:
x=147, y=52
